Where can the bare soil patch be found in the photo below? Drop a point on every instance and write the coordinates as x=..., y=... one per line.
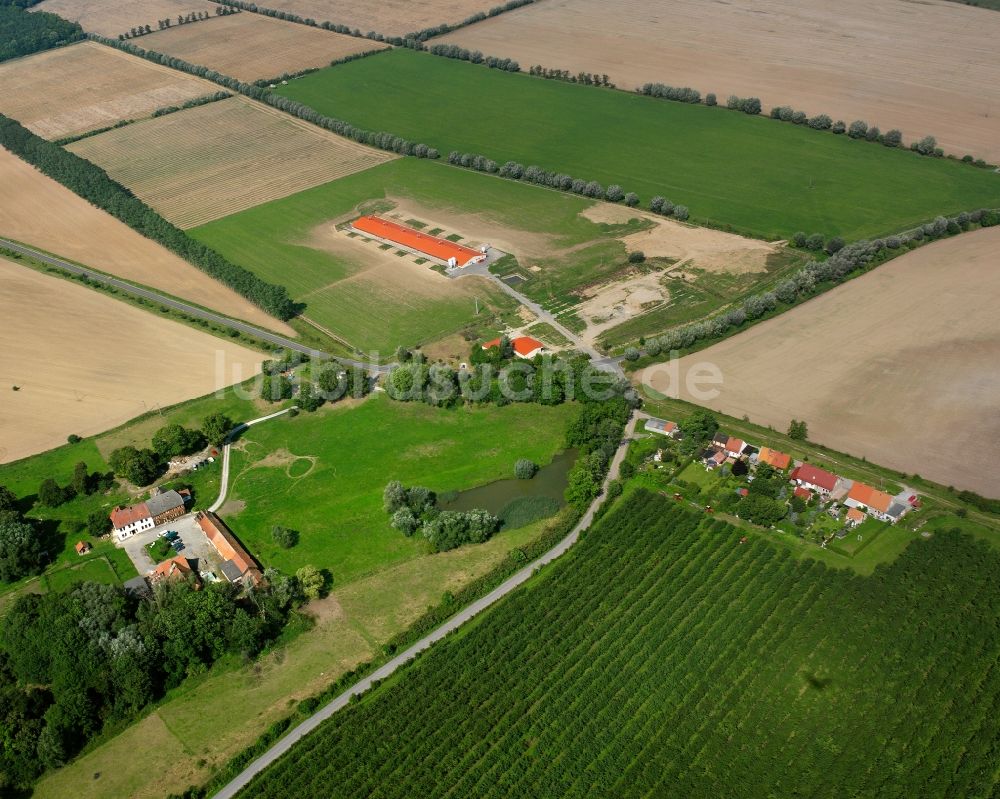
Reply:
x=104, y=362
x=927, y=67
x=898, y=366
x=701, y=248
x=113, y=17
x=617, y=302
x=36, y=210
x=251, y=46
x=86, y=86
x=391, y=17
x=208, y=162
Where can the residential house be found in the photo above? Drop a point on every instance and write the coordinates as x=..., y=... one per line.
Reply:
x=869, y=499
x=237, y=564
x=813, y=478
x=159, y=508
x=855, y=517
x=720, y=440
x=773, y=458
x=734, y=446
x=176, y=569
x=661, y=426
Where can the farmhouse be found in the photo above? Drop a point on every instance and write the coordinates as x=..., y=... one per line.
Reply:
x=158, y=509
x=864, y=497
x=661, y=426
x=175, y=569
x=441, y=250
x=237, y=564
x=734, y=447
x=813, y=478
x=778, y=460
x=524, y=346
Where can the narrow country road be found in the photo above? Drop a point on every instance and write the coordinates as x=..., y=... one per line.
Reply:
x=224, y=482
x=297, y=733
x=183, y=307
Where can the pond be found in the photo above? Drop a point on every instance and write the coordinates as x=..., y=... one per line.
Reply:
x=518, y=502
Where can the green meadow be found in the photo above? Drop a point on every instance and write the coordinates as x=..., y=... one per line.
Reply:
x=370, y=311
x=323, y=474
x=767, y=178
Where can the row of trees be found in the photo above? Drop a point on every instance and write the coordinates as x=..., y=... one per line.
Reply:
x=94, y=185
x=815, y=277
x=664, y=207
x=325, y=382
x=474, y=57
x=595, y=433
x=664, y=92
x=182, y=19
x=816, y=242
x=379, y=139
x=76, y=661
x=415, y=508
x=22, y=33
x=479, y=16
x=194, y=102
x=584, y=78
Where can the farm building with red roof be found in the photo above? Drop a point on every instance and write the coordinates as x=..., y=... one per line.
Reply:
x=442, y=250
x=814, y=478
x=524, y=346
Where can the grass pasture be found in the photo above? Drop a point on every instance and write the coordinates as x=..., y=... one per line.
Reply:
x=352, y=452
x=86, y=86
x=763, y=177
x=666, y=640
x=251, y=46
x=208, y=162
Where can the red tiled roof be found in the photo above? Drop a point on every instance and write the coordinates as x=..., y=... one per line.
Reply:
x=491, y=344
x=734, y=444
x=226, y=545
x=81, y=547
x=779, y=460
x=121, y=517
x=870, y=497
x=441, y=249
x=805, y=493
x=815, y=476
x=855, y=515
x=525, y=345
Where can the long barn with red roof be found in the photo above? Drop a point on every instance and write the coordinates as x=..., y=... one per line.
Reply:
x=447, y=252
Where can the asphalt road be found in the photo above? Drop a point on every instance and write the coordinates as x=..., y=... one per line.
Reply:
x=297, y=733
x=177, y=305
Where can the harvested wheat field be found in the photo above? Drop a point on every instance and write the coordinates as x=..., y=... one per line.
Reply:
x=390, y=17
x=113, y=17
x=208, y=162
x=898, y=366
x=104, y=362
x=86, y=86
x=925, y=68
x=36, y=210
x=251, y=46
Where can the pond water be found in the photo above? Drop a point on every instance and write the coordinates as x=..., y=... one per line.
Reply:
x=550, y=482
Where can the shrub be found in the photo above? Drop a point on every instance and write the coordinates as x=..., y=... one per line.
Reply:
x=525, y=469
x=614, y=193
x=799, y=118
x=925, y=146
x=799, y=239
x=636, y=257
x=710, y=99
x=873, y=134
x=656, y=204
x=653, y=347
x=284, y=537
x=815, y=241
x=834, y=245
x=681, y=212
x=821, y=122
x=892, y=138
x=858, y=129
x=73, y=438
x=631, y=199
x=838, y=127
x=632, y=354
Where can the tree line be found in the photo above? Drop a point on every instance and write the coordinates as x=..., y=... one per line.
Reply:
x=194, y=102
x=93, y=184
x=474, y=57
x=182, y=19
x=584, y=78
x=845, y=261
x=23, y=32
x=378, y=139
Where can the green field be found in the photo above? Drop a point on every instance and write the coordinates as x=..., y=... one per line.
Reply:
x=323, y=474
x=761, y=176
x=661, y=657
x=371, y=312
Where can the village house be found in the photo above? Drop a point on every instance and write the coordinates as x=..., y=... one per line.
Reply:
x=237, y=564
x=773, y=458
x=734, y=446
x=175, y=569
x=159, y=508
x=854, y=517
x=876, y=503
x=813, y=478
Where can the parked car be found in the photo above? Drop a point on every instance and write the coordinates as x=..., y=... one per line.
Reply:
x=177, y=544
x=172, y=535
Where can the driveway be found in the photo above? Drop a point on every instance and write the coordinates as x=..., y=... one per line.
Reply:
x=197, y=547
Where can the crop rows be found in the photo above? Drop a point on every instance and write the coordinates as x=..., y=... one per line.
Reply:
x=663, y=657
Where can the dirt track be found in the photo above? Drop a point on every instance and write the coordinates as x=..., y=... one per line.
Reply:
x=927, y=67
x=36, y=210
x=899, y=365
x=85, y=362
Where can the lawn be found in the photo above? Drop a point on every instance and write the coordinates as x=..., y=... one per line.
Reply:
x=758, y=175
x=323, y=474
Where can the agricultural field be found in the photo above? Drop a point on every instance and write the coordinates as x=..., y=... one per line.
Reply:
x=36, y=210
x=208, y=162
x=898, y=365
x=251, y=47
x=112, y=17
x=296, y=473
x=933, y=72
x=390, y=17
x=567, y=249
x=86, y=86
x=697, y=665
x=59, y=382
x=757, y=175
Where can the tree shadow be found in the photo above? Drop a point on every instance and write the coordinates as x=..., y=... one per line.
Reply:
x=818, y=683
